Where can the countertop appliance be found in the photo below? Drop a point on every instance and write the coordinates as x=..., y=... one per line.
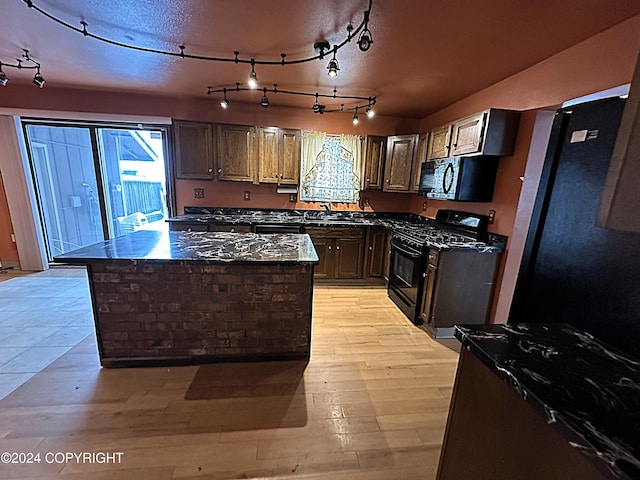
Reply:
x=435, y=282
x=465, y=179
x=571, y=270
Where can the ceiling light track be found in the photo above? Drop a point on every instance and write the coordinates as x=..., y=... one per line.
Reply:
x=364, y=40
x=359, y=102
x=38, y=79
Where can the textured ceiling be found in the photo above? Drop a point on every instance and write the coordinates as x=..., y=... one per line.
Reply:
x=426, y=53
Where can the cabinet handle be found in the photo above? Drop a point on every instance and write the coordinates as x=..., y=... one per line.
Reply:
x=219, y=170
x=275, y=175
x=329, y=247
x=281, y=175
x=387, y=181
x=370, y=248
x=337, y=247
x=368, y=180
x=210, y=170
x=424, y=275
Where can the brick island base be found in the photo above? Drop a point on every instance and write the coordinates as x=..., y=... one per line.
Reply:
x=178, y=313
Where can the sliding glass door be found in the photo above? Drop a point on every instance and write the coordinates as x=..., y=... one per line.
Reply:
x=93, y=183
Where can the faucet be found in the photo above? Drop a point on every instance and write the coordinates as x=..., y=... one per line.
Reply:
x=326, y=206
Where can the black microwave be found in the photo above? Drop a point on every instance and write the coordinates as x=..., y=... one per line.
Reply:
x=463, y=179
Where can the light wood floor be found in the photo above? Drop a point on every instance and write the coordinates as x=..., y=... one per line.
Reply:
x=371, y=404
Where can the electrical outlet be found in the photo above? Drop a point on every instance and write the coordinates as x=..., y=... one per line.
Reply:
x=424, y=206
x=198, y=192
x=492, y=216
x=292, y=197
x=247, y=195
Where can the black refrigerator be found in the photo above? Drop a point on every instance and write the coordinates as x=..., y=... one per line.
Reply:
x=573, y=271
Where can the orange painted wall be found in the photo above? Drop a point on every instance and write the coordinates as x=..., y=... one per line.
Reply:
x=8, y=249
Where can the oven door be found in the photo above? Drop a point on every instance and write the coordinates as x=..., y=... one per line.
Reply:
x=404, y=277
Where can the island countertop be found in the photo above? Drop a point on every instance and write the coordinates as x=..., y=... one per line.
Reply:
x=208, y=247
x=589, y=389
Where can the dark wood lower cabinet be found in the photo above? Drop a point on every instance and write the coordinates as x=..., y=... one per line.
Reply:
x=340, y=250
x=377, y=260
x=493, y=433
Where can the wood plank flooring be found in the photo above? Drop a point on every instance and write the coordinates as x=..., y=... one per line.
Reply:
x=370, y=404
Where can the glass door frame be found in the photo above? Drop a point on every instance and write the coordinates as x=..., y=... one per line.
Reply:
x=93, y=127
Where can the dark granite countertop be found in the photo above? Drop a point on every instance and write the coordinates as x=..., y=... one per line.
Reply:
x=209, y=247
x=585, y=387
x=320, y=218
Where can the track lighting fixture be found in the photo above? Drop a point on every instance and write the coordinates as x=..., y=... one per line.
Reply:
x=364, y=42
x=38, y=80
x=317, y=107
x=224, y=103
x=253, y=78
x=364, y=102
x=365, y=39
x=370, y=112
x=333, y=66
x=355, y=117
x=33, y=65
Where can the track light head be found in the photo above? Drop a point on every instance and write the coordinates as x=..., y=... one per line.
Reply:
x=370, y=112
x=3, y=78
x=253, y=78
x=224, y=103
x=356, y=121
x=317, y=107
x=365, y=40
x=333, y=66
x=265, y=100
x=38, y=80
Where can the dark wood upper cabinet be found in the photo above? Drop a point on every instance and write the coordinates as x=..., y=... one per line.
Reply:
x=418, y=159
x=194, y=150
x=279, y=157
x=268, y=156
x=289, y=155
x=490, y=132
x=399, y=162
x=439, y=142
x=236, y=155
x=374, y=153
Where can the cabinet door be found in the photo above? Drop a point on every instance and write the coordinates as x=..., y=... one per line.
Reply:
x=375, y=149
x=439, y=142
x=348, y=257
x=289, y=154
x=324, y=248
x=194, y=150
x=468, y=134
x=397, y=170
x=418, y=159
x=375, y=252
x=235, y=153
x=426, y=305
x=268, y=156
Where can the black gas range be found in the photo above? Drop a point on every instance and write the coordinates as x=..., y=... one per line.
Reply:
x=409, y=251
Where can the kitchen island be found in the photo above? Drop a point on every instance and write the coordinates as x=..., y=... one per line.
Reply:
x=173, y=298
x=541, y=401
